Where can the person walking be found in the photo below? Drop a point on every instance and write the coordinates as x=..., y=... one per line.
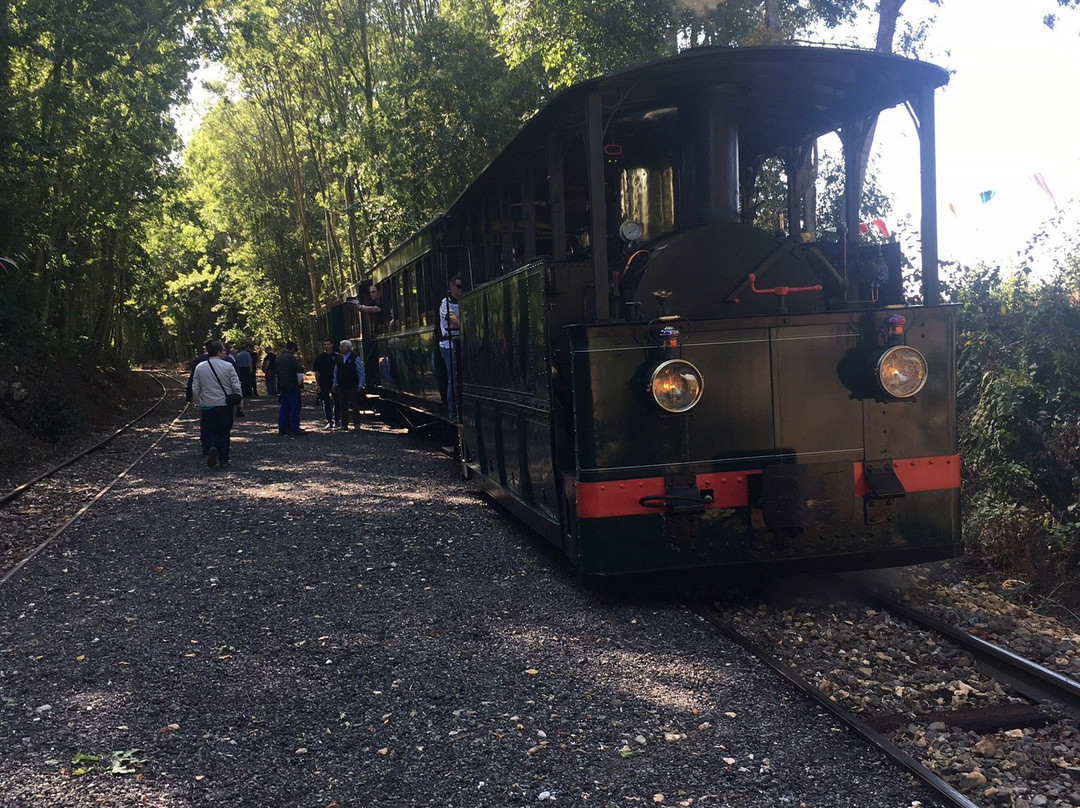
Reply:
x=324, y=377
x=450, y=344
x=245, y=370
x=204, y=415
x=213, y=382
x=290, y=381
x=349, y=380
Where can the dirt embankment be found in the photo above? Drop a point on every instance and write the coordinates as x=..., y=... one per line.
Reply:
x=49, y=412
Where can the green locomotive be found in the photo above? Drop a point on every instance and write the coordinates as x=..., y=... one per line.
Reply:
x=654, y=383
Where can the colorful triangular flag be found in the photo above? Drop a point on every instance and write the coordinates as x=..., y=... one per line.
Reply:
x=1040, y=180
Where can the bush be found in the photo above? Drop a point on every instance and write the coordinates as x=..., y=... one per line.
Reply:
x=1018, y=401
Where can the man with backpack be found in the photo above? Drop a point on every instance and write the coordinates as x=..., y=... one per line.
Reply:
x=349, y=380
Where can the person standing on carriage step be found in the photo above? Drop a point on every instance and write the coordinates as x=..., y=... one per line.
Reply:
x=323, y=365
x=290, y=380
x=349, y=379
x=450, y=345
x=211, y=382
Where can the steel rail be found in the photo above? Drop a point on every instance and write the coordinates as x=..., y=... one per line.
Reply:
x=22, y=489
x=75, y=517
x=1030, y=678
x=873, y=737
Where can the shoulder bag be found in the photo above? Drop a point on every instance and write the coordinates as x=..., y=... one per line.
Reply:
x=231, y=399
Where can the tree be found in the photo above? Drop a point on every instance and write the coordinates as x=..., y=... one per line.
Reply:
x=85, y=146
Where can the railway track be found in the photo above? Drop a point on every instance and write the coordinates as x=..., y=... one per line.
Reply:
x=980, y=725
x=36, y=512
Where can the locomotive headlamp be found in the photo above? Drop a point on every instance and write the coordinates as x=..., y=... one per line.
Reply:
x=901, y=371
x=676, y=385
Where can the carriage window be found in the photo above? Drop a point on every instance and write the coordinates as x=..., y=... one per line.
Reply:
x=542, y=209
x=424, y=292
x=397, y=302
x=576, y=194
x=409, y=282
x=514, y=216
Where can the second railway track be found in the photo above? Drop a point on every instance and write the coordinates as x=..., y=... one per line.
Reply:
x=980, y=724
x=38, y=509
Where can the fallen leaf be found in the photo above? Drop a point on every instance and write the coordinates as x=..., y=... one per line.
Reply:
x=532, y=671
x=168, y=728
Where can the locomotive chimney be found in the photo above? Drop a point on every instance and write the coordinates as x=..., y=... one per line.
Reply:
x=710, y=148
x=722, y=156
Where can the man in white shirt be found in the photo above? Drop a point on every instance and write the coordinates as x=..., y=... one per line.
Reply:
x=450, y=344
x=211, y=382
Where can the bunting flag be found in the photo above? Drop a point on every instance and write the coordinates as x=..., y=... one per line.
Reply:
x=986, y=196
x=1040, y=180
x=952, y=208
x=864, y=228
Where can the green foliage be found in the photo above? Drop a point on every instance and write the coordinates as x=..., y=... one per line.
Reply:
x=451, y=107
x=574, y=41
x=85, y=146
x=1019, y=415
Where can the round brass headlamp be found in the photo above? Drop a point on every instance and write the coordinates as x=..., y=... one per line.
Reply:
x=676, y=385
x=901, y=371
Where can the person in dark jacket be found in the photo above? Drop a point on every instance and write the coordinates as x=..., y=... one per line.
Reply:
x=349, y=380
x=290, y=381
x=324, y=377
x=269, y=369
x=245, y=370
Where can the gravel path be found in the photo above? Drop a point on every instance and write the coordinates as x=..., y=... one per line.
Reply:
x=339, y=620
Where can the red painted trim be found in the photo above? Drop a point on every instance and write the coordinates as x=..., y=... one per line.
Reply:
x=918, y=474
x=621, y=497
x=731, y=489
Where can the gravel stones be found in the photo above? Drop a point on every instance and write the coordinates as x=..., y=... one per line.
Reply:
x=339, y=620
x=877, y=665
